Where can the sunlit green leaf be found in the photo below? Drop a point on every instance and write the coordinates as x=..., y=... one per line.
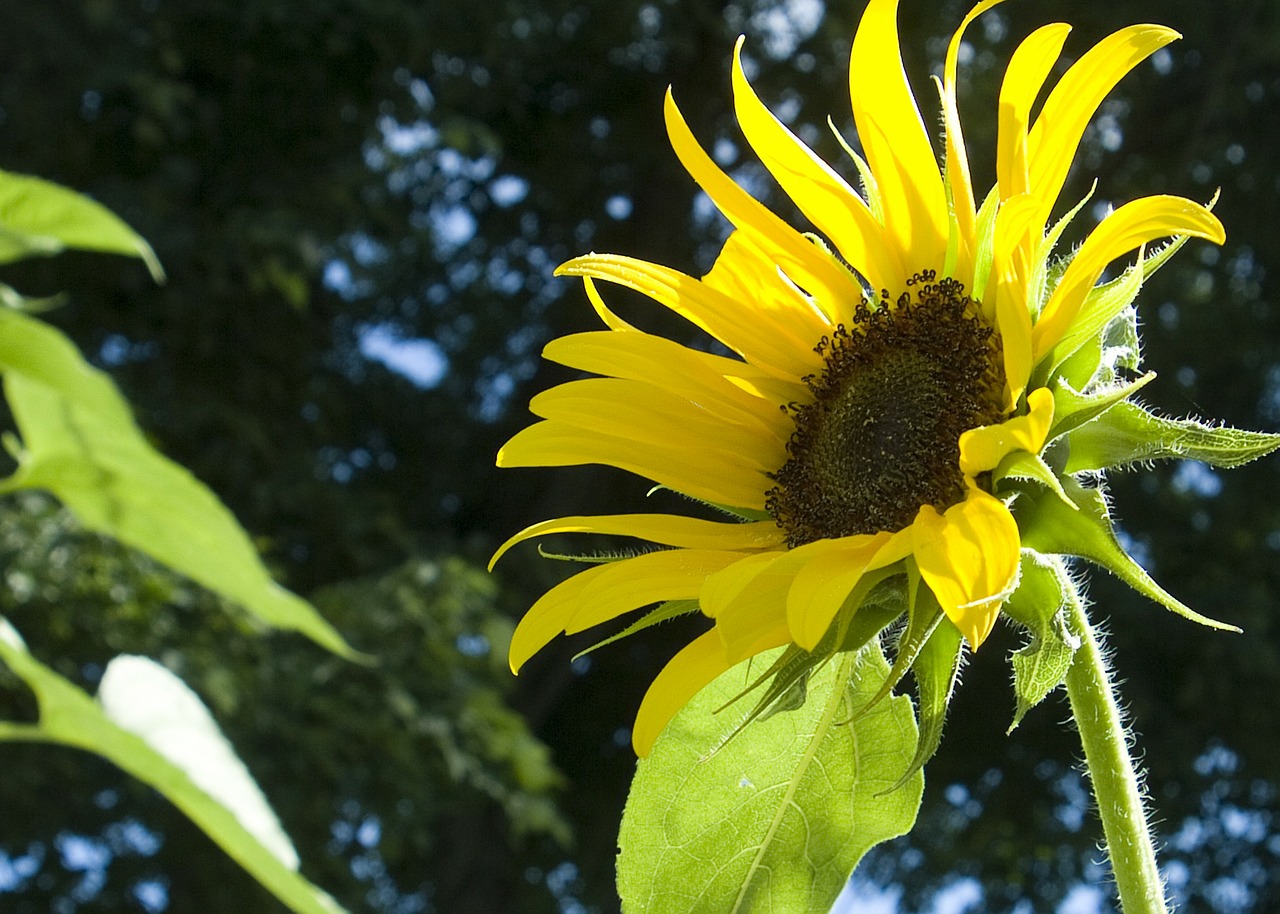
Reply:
x=1127, y=434
x=79, y=441
x=1048, y=525
x=69, y=717
x=1041, y=665
x=39, y=218
x=773, y=822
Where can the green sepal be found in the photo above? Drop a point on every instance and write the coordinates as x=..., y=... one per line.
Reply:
x=1072, y=409
x=774, y=821
x=984, y=253
x=923, y=617
x=870, y=187
x=1031, y=467
x=1127, y=434
x=1041, y=665
x=1047, y=525
x=936, y=671
x=1104, y=335
x=1047, y=271
x=661, y=613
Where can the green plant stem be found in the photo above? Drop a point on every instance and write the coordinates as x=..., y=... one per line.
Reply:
x=1115, y=782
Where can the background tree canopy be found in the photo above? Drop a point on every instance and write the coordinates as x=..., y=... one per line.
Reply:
x=359, y=205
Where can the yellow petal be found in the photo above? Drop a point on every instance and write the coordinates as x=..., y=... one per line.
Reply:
x=896, y=142
x=1011, y=266
x=748, y=601
x=1070, y=106
x=611, y=320
x=831, y=205
x=1023, y=79
x=1132, y=225
x=697, y=376
x=812, y=269
x=607, y=591
x=700, y=662
x=719, y=476
x=957, y=172
x=647, y=414
x=763, y=337
x=666, y=529
x=830, y=573
x=983, y=448
x=968, y=556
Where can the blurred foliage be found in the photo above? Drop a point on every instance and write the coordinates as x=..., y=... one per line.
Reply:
x=310, y=173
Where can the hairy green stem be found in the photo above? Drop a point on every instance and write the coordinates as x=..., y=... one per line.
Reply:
x=1115, y=782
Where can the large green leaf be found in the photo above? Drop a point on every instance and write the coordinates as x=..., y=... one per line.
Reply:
x=773, y=821
x=71, y=718
x=79, y=441
x=39, y=218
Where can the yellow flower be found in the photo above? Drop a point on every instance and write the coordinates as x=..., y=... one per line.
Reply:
x=876, y=390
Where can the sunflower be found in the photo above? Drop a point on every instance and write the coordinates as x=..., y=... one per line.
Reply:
x=896, y=373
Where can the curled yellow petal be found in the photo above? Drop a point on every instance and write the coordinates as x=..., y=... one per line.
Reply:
x=1070, y=106
x=812, y=269
x=1127, y=228
x=895, y=140
x=611, y=320
x=1023, y=79
x=822, y=195
x=959, y=180
x=968, y=556
x=982, y=449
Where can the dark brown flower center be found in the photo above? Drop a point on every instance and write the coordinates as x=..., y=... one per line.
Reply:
x=882, y=435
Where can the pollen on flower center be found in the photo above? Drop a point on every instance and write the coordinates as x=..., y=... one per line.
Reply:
x=881, y=436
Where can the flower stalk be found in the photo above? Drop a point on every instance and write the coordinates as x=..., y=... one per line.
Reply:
x=1115, y=781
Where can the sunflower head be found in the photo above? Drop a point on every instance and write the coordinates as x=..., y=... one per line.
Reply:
x=920, y=400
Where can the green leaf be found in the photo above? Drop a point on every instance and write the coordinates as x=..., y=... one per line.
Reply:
x=1047, y=525
x=80, y=443
x=774, y=821
x=1127, y=434
x=1072, y=409
x=69, y=717
x=1041, y=665
x=936, y=670
x=1031, y=467
x=39, y=218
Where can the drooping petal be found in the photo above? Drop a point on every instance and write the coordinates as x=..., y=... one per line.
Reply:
x=763, y=337
x=808, y=266
x=1070, y=106
x=968, y=556
x=895, y=140
x=1023, y=79
x=746, y=601
x=646, y=414
x=1132, y=225
x=829, y=574
x=694, y=667
x=982, y=449
x=718, y=476
x=665, y=529
x=823, y=196
x=607, y=591
x=611, y=320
